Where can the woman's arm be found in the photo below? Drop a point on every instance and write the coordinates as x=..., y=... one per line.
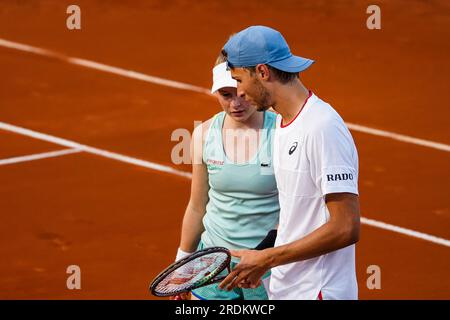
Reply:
x=192, y=222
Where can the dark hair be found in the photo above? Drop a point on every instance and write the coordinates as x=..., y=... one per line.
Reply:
x=282, y=76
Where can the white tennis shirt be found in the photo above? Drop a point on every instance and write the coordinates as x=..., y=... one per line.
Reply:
x=313, y=155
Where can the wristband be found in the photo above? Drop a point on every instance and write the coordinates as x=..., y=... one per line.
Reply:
x=181, y=254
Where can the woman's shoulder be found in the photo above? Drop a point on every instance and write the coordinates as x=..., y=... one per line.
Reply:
x=202, y=128
x=198, y=139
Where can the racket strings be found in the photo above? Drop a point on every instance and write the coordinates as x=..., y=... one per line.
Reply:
x=193, y=273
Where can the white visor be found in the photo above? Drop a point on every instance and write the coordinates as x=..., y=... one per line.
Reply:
x=222, y=78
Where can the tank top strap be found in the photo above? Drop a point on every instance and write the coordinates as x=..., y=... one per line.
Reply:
x=211, y=149
x=267, y=134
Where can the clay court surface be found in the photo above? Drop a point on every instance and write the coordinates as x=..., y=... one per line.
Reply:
x=120, y=220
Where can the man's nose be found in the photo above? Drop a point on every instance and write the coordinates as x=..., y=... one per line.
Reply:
x=240, y=93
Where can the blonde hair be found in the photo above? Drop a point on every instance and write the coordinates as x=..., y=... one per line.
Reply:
x=220, y=59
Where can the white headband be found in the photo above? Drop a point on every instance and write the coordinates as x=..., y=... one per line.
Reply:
x=222, y=78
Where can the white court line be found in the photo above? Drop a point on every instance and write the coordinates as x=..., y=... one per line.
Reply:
x=102, y=67
x=407, y=232
x=38, y=156
x=92, y=150
x=189, y=87
x=163, y=168
x=399, y=137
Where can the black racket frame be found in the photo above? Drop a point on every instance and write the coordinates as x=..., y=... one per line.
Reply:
x=185, y=260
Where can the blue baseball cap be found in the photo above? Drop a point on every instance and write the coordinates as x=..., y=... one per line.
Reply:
x=263, y=45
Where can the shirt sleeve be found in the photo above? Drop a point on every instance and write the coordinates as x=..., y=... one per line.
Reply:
x=333, y=158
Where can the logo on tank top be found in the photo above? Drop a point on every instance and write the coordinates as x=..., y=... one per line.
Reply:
x=293, y=148
x=214, y=162
x=214, y=166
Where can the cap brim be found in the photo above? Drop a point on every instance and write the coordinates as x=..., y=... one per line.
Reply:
x=223, y=83
x=292, y=64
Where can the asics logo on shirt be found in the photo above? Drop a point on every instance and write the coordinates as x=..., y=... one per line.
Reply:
x=292, y=149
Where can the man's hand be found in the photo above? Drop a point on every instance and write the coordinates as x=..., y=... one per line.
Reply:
x=247, y=274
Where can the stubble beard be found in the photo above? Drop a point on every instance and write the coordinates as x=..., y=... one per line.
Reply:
x=262, y=99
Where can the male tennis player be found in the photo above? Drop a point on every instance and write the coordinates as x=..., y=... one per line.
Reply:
x=316, y=169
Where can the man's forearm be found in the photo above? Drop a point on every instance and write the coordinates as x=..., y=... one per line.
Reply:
x=327, y=238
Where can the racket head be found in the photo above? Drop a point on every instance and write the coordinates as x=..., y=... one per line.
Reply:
x=198, y=269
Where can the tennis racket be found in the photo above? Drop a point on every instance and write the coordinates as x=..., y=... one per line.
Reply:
x=199, y=269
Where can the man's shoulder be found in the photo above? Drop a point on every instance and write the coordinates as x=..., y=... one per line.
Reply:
x=322, y=116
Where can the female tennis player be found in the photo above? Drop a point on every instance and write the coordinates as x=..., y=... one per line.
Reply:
x=234, y=197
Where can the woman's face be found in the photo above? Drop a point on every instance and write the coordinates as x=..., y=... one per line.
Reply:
x=236, y=107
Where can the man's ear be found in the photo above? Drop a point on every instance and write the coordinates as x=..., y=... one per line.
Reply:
x=262, y=71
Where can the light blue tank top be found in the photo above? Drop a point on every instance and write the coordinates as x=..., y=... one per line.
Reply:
x=243, y=198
